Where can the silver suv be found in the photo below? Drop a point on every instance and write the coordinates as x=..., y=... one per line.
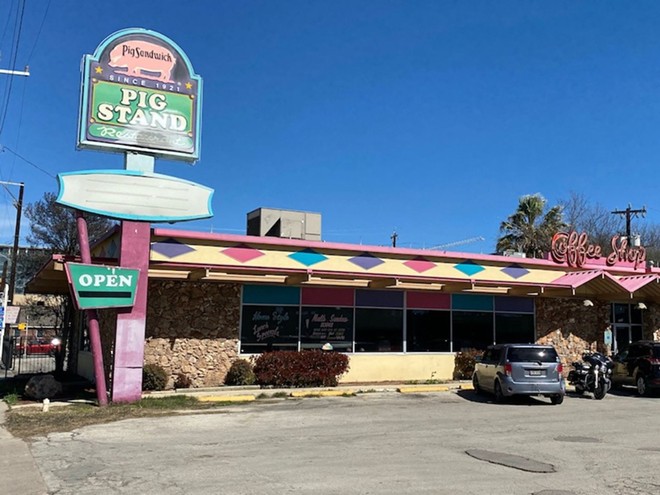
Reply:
x=520, y=369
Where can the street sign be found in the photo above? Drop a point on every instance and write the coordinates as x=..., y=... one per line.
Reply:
x=11, y=314
x=99, y=286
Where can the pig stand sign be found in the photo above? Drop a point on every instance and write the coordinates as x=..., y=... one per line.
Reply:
x=139, y=93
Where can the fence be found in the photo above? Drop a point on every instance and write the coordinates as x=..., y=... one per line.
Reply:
x=24, y=355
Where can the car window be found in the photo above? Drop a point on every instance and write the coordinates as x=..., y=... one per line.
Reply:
x=497, y=353
x=532, y=354
x=656, y=352
x=486, y=356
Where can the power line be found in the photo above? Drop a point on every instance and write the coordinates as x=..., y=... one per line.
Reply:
x=36, y=40
x=17, y=29
x=3, y=148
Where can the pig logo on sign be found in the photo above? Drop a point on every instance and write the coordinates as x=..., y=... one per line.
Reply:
x=143, y=59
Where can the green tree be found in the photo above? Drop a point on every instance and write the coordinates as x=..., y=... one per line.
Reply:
x=530, y=228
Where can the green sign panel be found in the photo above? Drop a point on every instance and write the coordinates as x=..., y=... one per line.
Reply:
x=98, y=286
x=140, y=93
x=121, y=114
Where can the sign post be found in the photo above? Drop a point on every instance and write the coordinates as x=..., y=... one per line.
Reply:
x=5, y=294
x=139, y=95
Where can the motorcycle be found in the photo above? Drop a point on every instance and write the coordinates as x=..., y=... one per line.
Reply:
x=593, y=374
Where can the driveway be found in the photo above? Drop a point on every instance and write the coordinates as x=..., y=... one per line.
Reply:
x=369, y=444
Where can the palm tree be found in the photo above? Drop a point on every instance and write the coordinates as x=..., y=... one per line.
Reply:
x=530, y=228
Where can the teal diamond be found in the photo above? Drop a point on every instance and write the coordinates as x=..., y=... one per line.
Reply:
x=308, y=257
x=469, y=268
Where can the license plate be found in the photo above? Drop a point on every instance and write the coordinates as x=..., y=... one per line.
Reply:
x=536, y=372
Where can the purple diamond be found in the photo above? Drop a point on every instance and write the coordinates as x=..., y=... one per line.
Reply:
x=515, y=271
x=171, y=248
x=366, y=261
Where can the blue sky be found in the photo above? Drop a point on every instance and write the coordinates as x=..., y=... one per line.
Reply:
x=429, y=118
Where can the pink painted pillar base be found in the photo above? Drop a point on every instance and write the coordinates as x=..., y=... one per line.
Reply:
x=131, y=322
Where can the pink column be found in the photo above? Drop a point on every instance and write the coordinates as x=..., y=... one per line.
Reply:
x=131, y=322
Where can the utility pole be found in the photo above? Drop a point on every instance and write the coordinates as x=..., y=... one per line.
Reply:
x=17, y=235
x=630, y=213
x=394, y=237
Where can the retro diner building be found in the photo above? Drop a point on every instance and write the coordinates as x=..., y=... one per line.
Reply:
x=400, y=314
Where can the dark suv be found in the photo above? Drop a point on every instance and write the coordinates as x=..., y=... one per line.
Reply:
x=520, y=369
x=639, y=365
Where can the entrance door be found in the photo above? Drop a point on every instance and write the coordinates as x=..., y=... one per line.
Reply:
x=621, y=338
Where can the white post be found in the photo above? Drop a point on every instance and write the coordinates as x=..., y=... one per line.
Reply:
x=3, y=318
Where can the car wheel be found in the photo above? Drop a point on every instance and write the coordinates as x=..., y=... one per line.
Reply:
x=557, y=399
x=642, y=386
x=475, y=384
x=499, y=396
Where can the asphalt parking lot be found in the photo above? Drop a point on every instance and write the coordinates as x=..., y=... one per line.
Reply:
x=375, y=443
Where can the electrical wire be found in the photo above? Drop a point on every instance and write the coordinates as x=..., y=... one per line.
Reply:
x=18, y=26
x=36, y=40
x=29, y=162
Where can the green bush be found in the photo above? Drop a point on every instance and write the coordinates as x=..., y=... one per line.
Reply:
x=300, y=369
x=464, y=363
x=154, y=377
x=240, y=373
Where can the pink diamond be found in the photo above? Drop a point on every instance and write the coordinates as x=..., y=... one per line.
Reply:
x=419, y=265
x=242, y=253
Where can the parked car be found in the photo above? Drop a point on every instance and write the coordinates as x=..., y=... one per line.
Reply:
x=638, y=365
x=38, y=346
x=520, y=369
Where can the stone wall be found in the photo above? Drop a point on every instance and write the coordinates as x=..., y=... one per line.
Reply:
x=193, y=329
x=572, y=327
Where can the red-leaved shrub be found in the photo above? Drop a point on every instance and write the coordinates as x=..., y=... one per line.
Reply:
x=300, y=369
x=464, y=363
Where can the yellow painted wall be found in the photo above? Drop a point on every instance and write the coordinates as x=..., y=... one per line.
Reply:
x=399, y=367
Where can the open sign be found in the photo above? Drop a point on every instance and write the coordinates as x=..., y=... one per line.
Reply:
x=99, y=286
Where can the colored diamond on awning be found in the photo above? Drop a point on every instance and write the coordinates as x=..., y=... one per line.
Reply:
x=469, y=268
x=171, y=248
x=308, y=257
x=515, y=271
x=420, y=264
x=366, y=261
x=242, y=253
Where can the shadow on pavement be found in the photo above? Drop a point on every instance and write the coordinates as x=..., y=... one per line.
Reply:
x=517, y=400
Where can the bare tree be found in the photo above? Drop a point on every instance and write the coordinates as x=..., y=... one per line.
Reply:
x=601, y=225
x=53, y=226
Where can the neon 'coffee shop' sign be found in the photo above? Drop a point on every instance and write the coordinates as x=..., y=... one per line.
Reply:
x=574, y=249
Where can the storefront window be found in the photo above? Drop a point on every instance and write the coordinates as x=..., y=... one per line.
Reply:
x=269, y=328
x=322, y=325
x=378, y=330
x=513, y=328
x=428, y=331
x=472, y=330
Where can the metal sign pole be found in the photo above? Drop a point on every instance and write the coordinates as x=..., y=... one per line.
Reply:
x=3, y=318
x=93, y=318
